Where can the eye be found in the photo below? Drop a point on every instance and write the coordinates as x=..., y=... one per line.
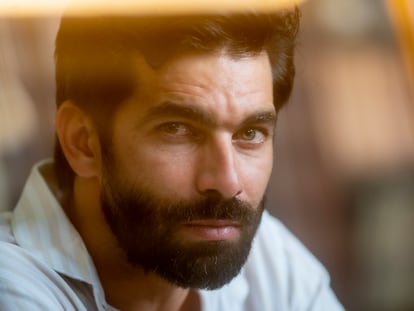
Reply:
x=251, y=136
x=179, y=132
x=176, y=129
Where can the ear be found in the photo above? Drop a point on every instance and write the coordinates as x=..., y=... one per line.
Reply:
x=78, y=139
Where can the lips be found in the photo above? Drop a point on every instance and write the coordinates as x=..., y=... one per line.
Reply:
x=211, y=229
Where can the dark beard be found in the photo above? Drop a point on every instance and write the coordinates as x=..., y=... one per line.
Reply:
x=145, y=227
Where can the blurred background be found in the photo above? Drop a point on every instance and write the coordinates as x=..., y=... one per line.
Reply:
x=343, y=179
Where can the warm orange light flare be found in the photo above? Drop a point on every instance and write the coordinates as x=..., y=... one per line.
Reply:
x=402, y=15
x=95, y=7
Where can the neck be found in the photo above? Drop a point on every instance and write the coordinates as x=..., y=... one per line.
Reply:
x=126, y=287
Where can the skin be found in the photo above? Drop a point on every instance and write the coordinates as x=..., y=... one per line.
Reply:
x=201, y=123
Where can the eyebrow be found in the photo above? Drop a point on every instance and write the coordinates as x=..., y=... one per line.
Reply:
x=183, y=110
x=198, y=115
x=269, y=117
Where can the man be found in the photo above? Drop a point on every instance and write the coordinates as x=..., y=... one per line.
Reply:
x=155, y=200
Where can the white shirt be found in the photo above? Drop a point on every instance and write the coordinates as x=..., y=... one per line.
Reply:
x=44, y=265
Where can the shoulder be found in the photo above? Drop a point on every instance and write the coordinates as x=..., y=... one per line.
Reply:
x=20, y=272
x=28, y=284
x=281, y=270
x=21, y=283
x=276, y=244
x=24, y=282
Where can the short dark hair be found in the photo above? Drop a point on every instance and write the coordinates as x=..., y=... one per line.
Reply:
x=93, y=57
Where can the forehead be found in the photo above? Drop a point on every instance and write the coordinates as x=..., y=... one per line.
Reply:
x=214, y=81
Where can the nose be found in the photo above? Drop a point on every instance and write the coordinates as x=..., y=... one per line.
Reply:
x=218, y=170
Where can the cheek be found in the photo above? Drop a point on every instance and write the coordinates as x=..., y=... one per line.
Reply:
x=256, y=175
x=164, y=172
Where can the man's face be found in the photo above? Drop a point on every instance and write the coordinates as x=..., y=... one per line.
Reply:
x=186, y=167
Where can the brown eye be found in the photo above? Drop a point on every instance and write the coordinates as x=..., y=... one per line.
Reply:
x=179, y=132
x=251, y=136
x=176, y=129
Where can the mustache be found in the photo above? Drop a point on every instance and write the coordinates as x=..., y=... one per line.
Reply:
x=211, y=206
